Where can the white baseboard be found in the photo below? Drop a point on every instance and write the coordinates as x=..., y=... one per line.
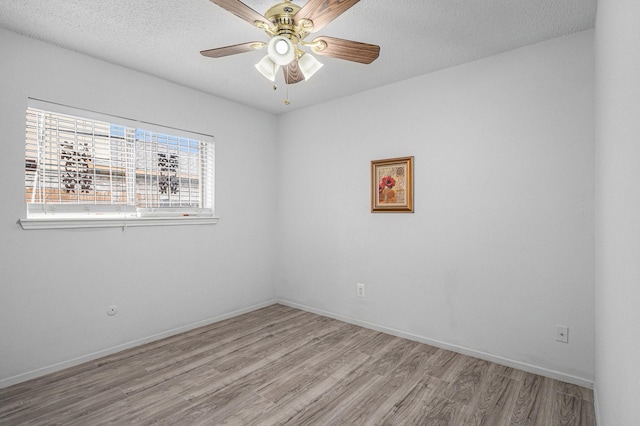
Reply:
x=23, y=377
x=444, y=345
x=460, y=349
x=595, y=403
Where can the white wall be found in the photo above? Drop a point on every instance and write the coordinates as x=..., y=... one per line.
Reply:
x=56, y=285
x=618, y=213
x=500, y=247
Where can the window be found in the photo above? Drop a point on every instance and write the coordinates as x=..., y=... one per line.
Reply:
x=98, y=172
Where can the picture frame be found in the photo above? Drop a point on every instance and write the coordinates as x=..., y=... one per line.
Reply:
x=392, y=185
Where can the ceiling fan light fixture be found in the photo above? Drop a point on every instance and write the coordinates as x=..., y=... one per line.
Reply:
x=267, y=68
x=309, y=65
x=281, y=50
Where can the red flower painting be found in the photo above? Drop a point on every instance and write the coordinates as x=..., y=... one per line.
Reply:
x=388, y=181
x=394, y=180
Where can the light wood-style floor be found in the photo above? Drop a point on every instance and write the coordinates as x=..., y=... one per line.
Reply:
x=280, y=365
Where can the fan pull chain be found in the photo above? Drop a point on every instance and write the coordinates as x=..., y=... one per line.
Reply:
x=286, y=100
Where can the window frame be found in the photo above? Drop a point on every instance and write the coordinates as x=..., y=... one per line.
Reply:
x=72, y=216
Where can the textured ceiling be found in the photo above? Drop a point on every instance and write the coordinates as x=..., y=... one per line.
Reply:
x=164, y=37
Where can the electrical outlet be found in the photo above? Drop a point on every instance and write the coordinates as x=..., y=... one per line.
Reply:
x=562, y=333
x=360, y=289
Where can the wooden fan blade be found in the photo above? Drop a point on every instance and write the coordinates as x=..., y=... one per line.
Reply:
x=321, y=12
x=242, y=11
x=347, y=50
x=233, y=50
x=292, y=73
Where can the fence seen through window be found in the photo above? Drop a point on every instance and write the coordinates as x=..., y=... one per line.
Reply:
x=81, y=165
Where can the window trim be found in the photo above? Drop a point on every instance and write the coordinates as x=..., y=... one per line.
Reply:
x=113, y=222
x=52, y=220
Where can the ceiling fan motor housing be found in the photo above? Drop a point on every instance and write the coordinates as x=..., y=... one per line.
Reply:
x=282, y=16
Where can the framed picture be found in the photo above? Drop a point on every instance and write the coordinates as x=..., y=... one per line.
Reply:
x=392, y=185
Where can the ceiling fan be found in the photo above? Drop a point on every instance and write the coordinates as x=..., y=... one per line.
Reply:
x=288, y=24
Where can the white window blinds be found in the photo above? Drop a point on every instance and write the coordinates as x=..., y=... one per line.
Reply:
x=84, y=166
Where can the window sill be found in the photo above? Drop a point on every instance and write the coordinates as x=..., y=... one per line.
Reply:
x=66, y=223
